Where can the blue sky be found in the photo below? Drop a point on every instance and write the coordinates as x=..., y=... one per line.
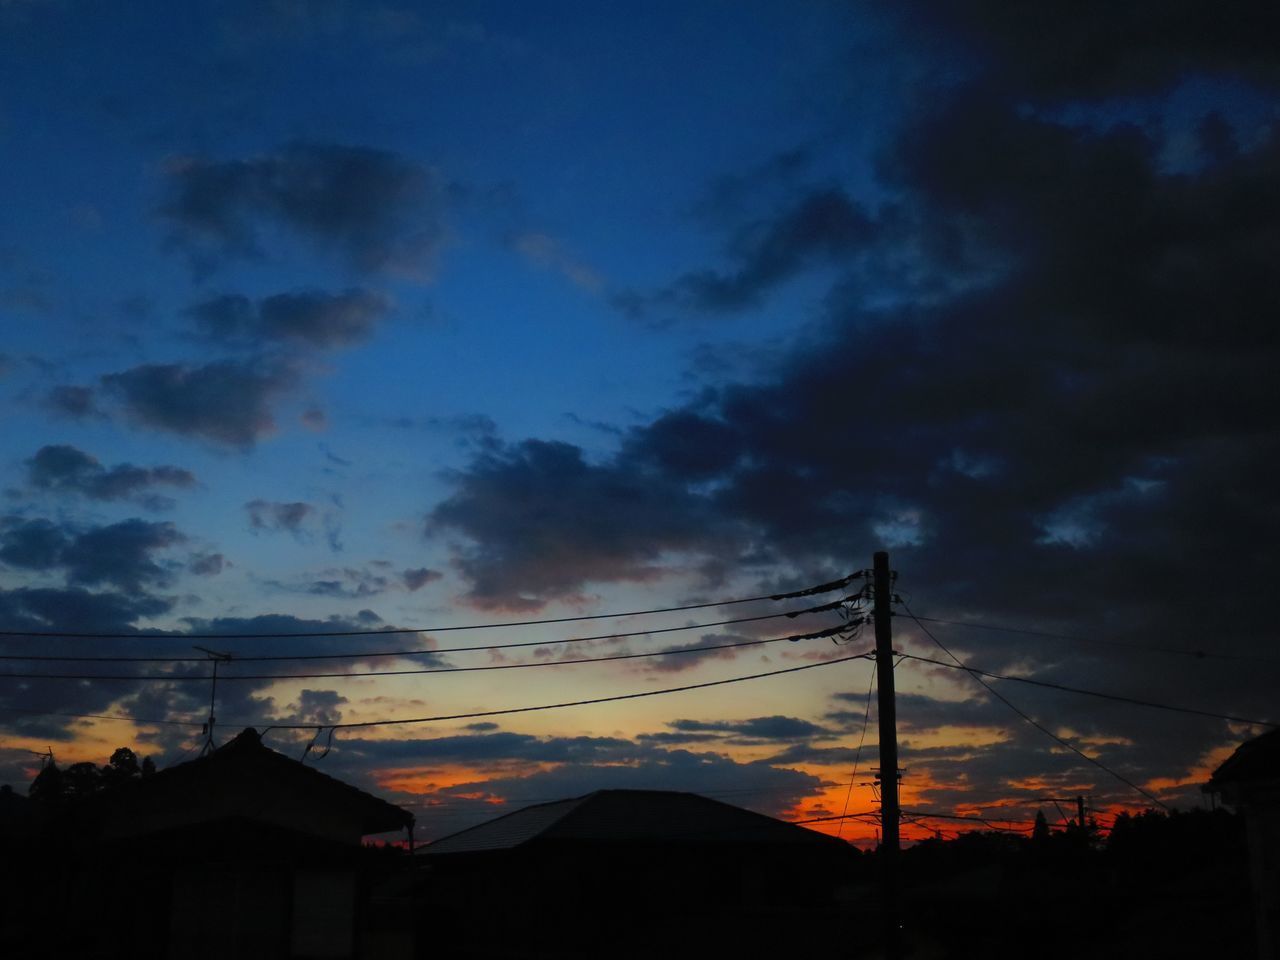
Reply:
x=326, y=313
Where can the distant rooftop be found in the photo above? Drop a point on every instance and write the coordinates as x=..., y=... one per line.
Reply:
x=629, y=816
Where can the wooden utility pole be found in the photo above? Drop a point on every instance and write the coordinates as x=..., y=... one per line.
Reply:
x=882, y=600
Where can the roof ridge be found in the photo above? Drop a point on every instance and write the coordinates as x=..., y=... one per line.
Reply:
x=573, y=803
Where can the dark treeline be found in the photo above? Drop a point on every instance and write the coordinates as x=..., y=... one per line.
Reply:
x=1167, y=885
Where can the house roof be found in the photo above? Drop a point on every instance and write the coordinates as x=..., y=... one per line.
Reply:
x=626, y=816
x=245, y=762
x=1254, y=760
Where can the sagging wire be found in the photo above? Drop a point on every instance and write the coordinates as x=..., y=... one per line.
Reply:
x=327, y=746
x=852, y=613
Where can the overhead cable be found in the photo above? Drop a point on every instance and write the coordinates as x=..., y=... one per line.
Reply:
x=420, y=651
x=297, y=634
x=573, y=703
x=857, y=757
x=1035, y=723
x=1119, y=698
x=200, y=677
x=104, y=716
x=1075, y=638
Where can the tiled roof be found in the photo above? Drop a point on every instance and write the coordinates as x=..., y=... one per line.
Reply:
x=623, y=816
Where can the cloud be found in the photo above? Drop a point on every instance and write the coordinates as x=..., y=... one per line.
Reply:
x=820, y=227
x=319, y=706
x=1058, y=431
x=279, y=517
x=309, y=318
x=419, y=577
x=118, y=554
x=75, y=402
x=776, y=727
x=225, y=401
x=378, y=211
x=1068, y=50
x=76, y=610
x=676, y=659
x=33, y=544
x=63, y=467
x=542, y=522
x=549, y=253
x=207, y=564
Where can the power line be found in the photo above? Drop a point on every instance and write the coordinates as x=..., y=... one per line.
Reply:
x=857, y=757
x=1074, y=638
x=200, y=678
x=421, y=652
x=569, y=703
x=790, y=595
x=1029, y=719
x=989, y=821
x=1119, y=698
x=478, y=714
x=843, y=816
x=103, y=716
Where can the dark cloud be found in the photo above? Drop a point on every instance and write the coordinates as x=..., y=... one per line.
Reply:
x=77, y=610
x=776, y=727
x=729, y=196
x=918, y=712
x=1062, y=429
x=207, y=564
x=309, y=317
x=1063, y=49
x=375, y=209
x=349, y=582
x=269, y=516
x=419, y=577
x=543, y=521
x=121, y=555
x=677, y=658
x=63, y=467
x=75, y=402
x=226, y=401
x=319, y=706
x=33, y=544
x=26, y=708
x=821, y=226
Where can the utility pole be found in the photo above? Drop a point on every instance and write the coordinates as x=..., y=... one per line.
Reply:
x=1079, y=800
x=882, y=599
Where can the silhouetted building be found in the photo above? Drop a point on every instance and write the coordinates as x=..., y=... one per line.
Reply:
x=242, y=853
x=1249, y=780
x=16, y=827
x=632, y=869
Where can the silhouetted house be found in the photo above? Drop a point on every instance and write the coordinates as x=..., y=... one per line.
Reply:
x=242, y=853
x=623, y=871
x=1249, y=780
x=16, y=822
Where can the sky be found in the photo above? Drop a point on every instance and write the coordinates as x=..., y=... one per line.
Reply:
x=324, y=316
